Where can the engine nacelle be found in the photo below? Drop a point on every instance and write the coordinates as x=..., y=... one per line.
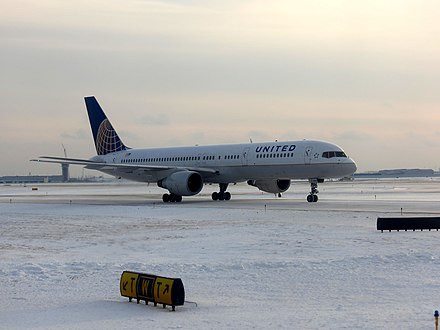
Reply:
x=270, y=186
x=183, y=183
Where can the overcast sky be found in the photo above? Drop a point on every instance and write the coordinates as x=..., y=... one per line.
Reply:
x=362, y=74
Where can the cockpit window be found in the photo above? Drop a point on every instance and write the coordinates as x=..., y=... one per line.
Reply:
x=331, y=154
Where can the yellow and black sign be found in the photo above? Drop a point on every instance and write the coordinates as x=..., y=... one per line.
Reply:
x=128, y=284
x=152, y=288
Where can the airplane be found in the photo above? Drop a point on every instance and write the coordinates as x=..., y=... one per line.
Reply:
x=183, y=171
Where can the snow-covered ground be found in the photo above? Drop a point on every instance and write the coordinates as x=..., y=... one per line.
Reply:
x=254, y=262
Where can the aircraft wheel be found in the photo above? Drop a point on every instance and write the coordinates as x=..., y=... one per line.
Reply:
x=227, y=196
x=165, y=198
x=221, y=196
x=310, y=198
x=315, y=198
x=178, y=198
x=214, y=196
x=172, y=198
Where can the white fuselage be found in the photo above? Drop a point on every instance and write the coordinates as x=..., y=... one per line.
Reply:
x=304, y=159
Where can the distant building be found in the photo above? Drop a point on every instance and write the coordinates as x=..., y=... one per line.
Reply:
x=65, y=172
x=31, y=179
x=24, y=179
x=398, y=173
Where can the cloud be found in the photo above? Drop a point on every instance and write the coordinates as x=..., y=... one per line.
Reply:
x=79, y=134
x=353, y=136
x=259, y=136
x=155, y=120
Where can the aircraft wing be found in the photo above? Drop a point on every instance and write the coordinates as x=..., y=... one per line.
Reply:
x=90, y=164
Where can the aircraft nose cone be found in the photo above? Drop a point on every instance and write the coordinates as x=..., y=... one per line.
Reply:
x=352, y=166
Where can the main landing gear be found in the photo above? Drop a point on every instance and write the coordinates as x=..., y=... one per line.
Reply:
x=172, y=198
x=223, y=195
x=313, y=196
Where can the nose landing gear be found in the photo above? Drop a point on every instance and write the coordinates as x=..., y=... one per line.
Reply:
x=313, y=196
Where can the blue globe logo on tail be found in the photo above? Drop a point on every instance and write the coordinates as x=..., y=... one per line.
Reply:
x=105, y=136
x=107, y=140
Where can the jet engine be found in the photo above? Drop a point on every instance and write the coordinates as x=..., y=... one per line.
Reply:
x=183, y=183
x=270, y=186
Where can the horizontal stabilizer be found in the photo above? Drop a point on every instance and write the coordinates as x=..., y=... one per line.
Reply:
x=96, y=165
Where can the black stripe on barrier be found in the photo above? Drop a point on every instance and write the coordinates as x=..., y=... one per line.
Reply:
x=408, y=223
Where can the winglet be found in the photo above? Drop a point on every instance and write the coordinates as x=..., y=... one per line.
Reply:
x=105, y=137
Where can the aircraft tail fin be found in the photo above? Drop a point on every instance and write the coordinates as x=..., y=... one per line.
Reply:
x=105, y=137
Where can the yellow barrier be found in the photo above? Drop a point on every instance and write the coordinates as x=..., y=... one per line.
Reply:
x=152, y=288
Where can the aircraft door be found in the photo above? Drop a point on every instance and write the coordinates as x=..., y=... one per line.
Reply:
x=308, y=155
x=245, y=156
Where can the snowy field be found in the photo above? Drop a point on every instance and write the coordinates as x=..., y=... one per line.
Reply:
x=254, y=262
